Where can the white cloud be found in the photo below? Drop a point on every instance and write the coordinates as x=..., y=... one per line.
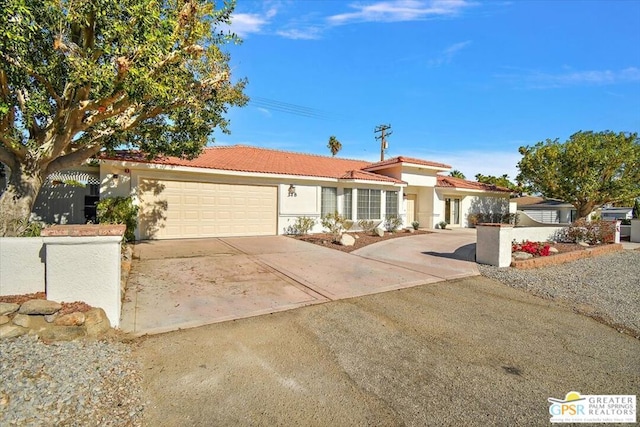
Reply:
x=539, y=80
x=264, y=111
x=309, y=33
x=399, y=11
x=244, y=24
x=447, y=55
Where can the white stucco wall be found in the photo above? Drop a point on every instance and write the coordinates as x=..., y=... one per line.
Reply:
x=535, y=234
x=68, y=269
x=85, y=269
x=22, y=261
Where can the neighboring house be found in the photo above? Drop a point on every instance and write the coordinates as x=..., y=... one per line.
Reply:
x=547, y=211
x=613, y=213
x=242, y=191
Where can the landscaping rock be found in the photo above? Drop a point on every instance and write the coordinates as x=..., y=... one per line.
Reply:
x=379, y=232
x=62, y=333
x=50, y=317
x=39, y=306
x=23, y=320
x=519, y=256
x=584, y=244
x=9, y=330
x=96, y=322
x=409, y=230
x=73, y=319
x=8, y=308
x=4, y=319
x=347, y=240
x=553, y=250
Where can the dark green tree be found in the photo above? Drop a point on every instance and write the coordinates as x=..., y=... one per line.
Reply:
x=81, y=76
x=588, y=170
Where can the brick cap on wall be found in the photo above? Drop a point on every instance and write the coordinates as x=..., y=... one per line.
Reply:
x=85, y=230
x=493, y=224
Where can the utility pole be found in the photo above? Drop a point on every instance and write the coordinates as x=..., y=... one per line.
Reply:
x=382, y=137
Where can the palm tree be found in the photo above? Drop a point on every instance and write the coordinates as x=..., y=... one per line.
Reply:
x=334, y=145
x=457, y=174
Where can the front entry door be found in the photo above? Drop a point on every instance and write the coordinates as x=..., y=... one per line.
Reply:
x=411, y=208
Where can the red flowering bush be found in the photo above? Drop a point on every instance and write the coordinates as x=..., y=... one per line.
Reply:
x=533, y=248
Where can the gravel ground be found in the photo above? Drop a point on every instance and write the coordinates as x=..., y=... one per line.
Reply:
x=606, y=287
x=74, y=383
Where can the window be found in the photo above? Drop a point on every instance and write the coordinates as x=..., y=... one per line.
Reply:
x=368, y=204
x=94, y=189
x=346, y=203
x=391, y=203
x=328, y=201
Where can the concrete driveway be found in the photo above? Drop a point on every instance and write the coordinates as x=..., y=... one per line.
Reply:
x=178, y=284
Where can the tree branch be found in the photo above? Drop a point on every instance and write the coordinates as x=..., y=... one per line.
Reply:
x=50, y=90
x=75, y=157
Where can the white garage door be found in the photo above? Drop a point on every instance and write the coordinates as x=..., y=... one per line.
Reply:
x=183, y=209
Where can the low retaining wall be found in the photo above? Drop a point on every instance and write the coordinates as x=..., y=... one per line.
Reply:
x=566, y=257
x=494, y=241
x=69, y=262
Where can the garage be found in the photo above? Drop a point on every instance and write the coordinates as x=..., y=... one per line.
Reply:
x=188, y=209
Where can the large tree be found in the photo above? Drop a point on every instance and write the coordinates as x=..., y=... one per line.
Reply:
x=588, y=170
x=81, y=76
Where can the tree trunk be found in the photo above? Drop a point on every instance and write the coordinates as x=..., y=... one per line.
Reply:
x=584, y=209
x=17, y=201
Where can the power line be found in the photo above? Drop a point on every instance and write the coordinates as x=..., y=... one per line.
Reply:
x=294, y=109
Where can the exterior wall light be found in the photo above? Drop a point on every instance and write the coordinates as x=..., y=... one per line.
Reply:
x=292, y=191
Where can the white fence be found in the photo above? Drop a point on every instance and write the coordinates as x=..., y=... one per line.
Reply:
x=67, y=268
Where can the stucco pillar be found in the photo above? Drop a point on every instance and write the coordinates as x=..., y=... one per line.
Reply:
x=493, y=245
x=85, y=267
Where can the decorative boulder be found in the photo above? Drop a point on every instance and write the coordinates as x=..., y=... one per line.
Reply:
x=96, y=322
x=553, y=250
x=379, y=232
x=39, y=306
x=72, y=319
x=8, y=308
x=347, y=240
x=520, y=256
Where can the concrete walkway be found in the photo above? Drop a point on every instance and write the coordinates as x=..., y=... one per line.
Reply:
x=178, y=284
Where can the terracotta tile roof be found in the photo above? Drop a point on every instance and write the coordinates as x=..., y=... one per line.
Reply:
x=451, y=182
x=261, y=160
x=364, y=175
x=403, y=159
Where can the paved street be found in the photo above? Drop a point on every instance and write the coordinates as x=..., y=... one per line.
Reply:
x=464, y=352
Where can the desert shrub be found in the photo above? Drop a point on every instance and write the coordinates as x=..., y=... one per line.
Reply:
x=415, y=225
x=443, y=224
x=302, y=226
x=392, y=223
x=591, y=232
x=348, y=225
x=533, y=248
x=367, y=225
x=334, y=224
x=492, y=218
x=119, y=210
x=625, y=221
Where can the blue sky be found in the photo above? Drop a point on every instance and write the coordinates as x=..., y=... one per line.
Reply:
x=461, y=82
